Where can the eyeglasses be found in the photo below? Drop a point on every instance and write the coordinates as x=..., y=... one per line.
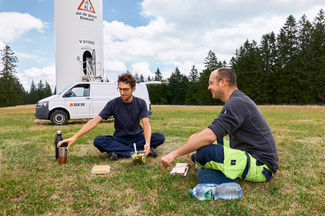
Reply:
x=124, y=90
x=210, y=82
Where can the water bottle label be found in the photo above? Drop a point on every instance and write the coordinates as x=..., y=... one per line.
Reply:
x=209, y=195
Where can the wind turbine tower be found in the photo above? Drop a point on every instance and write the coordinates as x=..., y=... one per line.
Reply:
x=78, y=42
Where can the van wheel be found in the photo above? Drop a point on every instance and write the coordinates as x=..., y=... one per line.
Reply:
x=59, y=117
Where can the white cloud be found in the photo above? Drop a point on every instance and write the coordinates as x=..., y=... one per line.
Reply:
x=19, y=24
x=141, y=68
x=181, y=32
x=23, y=80
x=37, y=74
x=114, y=66
x=196, y=14
x=154, y=42
x=2, y=45
x=13, y=26
x=37, y=58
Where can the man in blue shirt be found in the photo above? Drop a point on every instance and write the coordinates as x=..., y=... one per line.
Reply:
x=127, y=111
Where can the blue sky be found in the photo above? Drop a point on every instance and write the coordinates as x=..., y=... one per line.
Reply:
x=140, y=36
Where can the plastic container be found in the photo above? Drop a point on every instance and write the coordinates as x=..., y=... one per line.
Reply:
x=138, y=158
x=209, y=191
x=57, y=140
x=63, y=154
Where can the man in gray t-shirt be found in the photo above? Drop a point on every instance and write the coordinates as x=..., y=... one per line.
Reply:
x=247, y=129
x=252, y=153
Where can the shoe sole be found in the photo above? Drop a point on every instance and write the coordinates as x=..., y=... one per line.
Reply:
x=114, y=156
x=213, y=176
x=153, y=152
x=193, y=157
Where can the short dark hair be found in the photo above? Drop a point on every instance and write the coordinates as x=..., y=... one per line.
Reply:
x=127, y=78
x=229, y=74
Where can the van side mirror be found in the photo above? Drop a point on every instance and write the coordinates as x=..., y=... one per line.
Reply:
x=68, y=94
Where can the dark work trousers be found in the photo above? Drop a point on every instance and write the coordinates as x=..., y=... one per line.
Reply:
x=123, y=146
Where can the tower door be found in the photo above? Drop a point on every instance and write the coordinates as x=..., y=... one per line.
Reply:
x=87, y=63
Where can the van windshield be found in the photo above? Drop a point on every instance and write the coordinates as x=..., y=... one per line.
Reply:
x=64, y=89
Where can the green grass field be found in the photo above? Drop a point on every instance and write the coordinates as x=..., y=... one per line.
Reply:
x=32, y=182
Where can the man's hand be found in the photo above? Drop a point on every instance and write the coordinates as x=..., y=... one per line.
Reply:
x=167, y=161
x=147, y=148
x=69, y=141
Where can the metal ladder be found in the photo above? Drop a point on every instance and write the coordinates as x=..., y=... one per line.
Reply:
x=90, y=77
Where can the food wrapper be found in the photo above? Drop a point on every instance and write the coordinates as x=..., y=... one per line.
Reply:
x=101, y=169
x=180, y=169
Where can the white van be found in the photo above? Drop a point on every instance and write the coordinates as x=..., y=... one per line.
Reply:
x=83, y=100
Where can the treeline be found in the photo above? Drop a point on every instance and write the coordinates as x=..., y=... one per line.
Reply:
x=181, y=89
x=285, y=68
x=12, y=91
x=288, y=67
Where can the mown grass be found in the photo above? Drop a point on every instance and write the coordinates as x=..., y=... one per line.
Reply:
x=32, y=182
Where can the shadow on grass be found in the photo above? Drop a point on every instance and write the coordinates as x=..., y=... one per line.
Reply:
x=72, y=122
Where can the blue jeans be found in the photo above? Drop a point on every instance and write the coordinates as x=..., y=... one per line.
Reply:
x=123, y=146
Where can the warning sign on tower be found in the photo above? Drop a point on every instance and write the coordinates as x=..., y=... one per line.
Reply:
x=86, y=5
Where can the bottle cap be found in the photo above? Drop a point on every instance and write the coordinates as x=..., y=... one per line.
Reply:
x=64, y=145
x=58, y=132
x=190, y=191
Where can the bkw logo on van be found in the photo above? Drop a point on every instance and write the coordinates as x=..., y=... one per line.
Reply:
x=77, y=104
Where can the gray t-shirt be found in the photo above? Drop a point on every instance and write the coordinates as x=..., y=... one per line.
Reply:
x=126, y=115
x=247, y=129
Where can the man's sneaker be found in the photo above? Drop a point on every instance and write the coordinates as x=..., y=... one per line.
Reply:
x=193, y=157
x=114, y=156
x=213, y=176
x=153, y=152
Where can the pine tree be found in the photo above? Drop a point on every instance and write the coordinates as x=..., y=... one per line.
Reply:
x=158, y=76
x=8, y=96
x=191, y=91
x=22, y=94
x=40, y=90
x=33, y=94
x=47, y=90
x=141, y=78
x=287, y=74
x=249, y=70
x=318, y=49
x=211, y=63
x=304, y=61
x=158, y=93
x=136, y=76
x=268, y=56
x=177, y=84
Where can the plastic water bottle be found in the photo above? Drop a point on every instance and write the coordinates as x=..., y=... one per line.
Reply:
x=57, y=140
x=210, y=191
